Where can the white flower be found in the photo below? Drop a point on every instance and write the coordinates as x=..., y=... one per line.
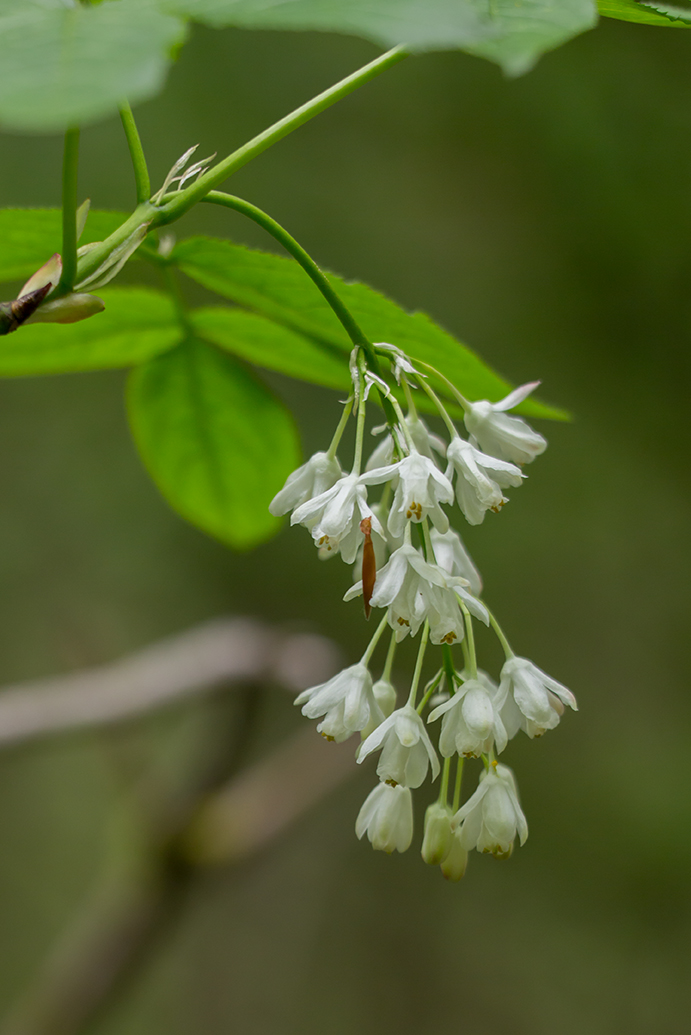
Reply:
x=315, y=476
x=508, y=438
x=479, y=479
x=333, y=517
x=471, y=723
x=454, y=865
x=407, y=751
x=438, y=835
x=444, y=615
x=346, y=701
x=387, y=818
x=426, y=443
x=492, y=817
x=420, y=489
x=534, y=701
x=451, y=555
x=414, y=590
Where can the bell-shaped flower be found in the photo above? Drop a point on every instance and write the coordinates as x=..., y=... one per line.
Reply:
x=315, y=476
x=508, y=438
x=455, y=864
x=346, y=701
x=426, y=443
x=334, y=516
x=479, y=479
x=533, y=701
x=471, y=722
x=492, y=816
x=403, y=585
x=406, y=750
x=446, y=623
x=387, y=818
x=420, y=489
x=451, y=555
x=438, y=836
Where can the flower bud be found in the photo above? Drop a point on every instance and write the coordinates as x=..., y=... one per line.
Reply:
x=436, y=843
x=455, y=863
x=69, y=309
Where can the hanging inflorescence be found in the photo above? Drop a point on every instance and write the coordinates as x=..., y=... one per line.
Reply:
x=414, y=565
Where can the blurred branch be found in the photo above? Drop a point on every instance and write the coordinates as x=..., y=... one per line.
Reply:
x=225, y=817
x=220, y=652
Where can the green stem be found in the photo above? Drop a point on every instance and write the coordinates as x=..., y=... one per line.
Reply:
x=470, y=638
x=338, y=433
x=429, y=691
x=360, y=428
x=418, y=665
x=500, y=635
x=443, y=412
x=449, y=667
x=141, y=173
x=367, y=656
x=354, y=332
x=185, y=199
x=319, y=279
x=388, y=664
x=445, y=381
x=444, y=789
x=457, y=788
x=70, y=169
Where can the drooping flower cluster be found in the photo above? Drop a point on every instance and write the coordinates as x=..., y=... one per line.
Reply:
x=414, y=566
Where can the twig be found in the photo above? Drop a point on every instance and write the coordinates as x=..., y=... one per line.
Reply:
x=218, y=653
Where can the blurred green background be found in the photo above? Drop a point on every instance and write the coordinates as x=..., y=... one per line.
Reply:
x=546, y=222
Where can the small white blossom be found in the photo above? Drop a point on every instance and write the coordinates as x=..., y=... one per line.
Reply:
x=414, y=590
x=492, y=817
x=471, y=722
x=451, y=555
x=420, y=489
x=508, y=438
x=426, y=443
x=438, y=836
x=479, y=479
x=333, y=517
x=407, y=751
x=387, y=818
x=315, y=476
x=346, y=701
x=401, y=363
x=533, y=700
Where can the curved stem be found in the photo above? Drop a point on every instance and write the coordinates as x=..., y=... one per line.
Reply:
x=367, y=656
x=443, y=412
x=70, y=168
x=388, y=664
x=185, y=199
x=500, y=636
x=141, y=172
x=352, y=329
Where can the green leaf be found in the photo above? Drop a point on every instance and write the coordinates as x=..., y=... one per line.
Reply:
x=279, y=289
x=29, y=236
x=647, y=14
x=268, y=344
x=138, y=323
x=217, y=443
x=512, y=32
x=64, y=63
